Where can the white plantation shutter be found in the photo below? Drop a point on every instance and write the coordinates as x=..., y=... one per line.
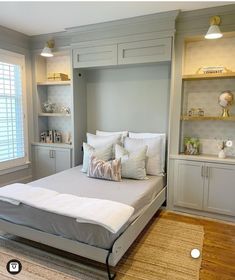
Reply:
x=12, y=123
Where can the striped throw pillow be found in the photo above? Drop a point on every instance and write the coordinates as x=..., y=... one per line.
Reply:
x=107, y=170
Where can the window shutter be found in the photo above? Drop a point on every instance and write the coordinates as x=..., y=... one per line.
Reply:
x=11, y=113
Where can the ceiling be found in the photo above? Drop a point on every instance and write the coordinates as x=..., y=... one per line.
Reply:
x=34, y=18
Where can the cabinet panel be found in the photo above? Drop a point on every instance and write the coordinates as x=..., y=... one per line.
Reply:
x=62, y=159
x=220, y=189
x=145, y=51
x=95, y=56
x=188, y=184
x=44, y=164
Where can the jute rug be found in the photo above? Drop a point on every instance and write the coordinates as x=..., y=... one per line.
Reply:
x=162, y=252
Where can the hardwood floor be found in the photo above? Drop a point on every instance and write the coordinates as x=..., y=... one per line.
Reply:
x=218, y=257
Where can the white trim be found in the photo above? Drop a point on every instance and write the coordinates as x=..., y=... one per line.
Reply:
x=19, y=59
x=23, y=180
x=15, y=168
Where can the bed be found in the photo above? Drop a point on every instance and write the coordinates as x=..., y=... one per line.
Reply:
x=84, y=239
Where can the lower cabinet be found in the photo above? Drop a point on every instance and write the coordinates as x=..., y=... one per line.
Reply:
x=205, y=186
x=50, y=160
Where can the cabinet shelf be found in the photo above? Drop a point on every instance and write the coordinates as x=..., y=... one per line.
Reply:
x=54, y=115
x=209, y=76
x=54, y=83
x=207, y=118
x=204, y=157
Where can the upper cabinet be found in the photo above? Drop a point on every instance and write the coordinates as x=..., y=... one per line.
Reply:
x=94, y=56
x=144, y=51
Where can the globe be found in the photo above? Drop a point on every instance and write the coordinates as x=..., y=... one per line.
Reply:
x=225, y=101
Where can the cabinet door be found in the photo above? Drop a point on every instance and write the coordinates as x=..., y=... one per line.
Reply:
x=62, y=159
x=95, y=56
x=220, y=189
x=44, y=163
x=145, y=51
x=188, y=184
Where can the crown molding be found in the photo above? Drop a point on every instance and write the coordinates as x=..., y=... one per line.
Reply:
x=161, y=23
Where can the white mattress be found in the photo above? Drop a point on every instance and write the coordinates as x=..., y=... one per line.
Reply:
x=137, y=193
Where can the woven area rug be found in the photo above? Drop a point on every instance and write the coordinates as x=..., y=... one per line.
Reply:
x=161, y=252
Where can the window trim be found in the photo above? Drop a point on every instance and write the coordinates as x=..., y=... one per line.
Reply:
x=16, y=58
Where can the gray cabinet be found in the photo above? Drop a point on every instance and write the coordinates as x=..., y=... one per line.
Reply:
x=94, y=56
x=219, y=192
x=189, y=183
x=205, y=186
x=50, y=160
x=145, y=51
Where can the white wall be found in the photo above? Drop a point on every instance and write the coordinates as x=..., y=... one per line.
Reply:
x=133, y=98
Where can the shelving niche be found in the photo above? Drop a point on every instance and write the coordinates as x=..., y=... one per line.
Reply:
x=202, y=91
x=54, y=91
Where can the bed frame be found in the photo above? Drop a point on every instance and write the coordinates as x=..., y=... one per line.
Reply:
x=110, y=256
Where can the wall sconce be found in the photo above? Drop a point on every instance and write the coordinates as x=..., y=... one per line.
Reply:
x=214, y=31
x=47, y=51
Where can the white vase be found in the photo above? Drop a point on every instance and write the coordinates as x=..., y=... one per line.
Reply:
x=222, y=154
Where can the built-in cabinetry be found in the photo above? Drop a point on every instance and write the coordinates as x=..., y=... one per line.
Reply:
x=204, y=184
x=144, y=51
x=50, y=159
x=58, y=94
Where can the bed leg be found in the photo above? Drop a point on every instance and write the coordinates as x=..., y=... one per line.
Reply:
x=110, y=275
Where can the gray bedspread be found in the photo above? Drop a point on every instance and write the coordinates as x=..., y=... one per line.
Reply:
x=137, y=193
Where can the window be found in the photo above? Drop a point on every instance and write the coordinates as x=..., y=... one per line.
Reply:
x=13, y=138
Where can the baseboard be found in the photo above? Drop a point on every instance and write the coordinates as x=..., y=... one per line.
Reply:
x=22, y=180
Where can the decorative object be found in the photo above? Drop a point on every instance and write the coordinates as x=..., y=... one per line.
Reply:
x=222, y=146
x=43, y=136
x=214, y=30
x=57, y=137
x=212, y=69
x=191, y=146
x=67, y=138
x=54, y=136
x=191, y=112
x=198, y=112
x=48, y=264
x=225, y=101
x=58, y=77
x=51, y=136
x=65, y=110
x=49, y=107
x=47, y=51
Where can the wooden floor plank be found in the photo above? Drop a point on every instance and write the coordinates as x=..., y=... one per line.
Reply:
x=218, y=258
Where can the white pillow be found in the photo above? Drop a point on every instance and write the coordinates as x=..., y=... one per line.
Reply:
x=153, y=135
x=123, y=134
x=108, y=133
x=98, y=141
x=104, y=153
x=133, y=163
x=154, y=152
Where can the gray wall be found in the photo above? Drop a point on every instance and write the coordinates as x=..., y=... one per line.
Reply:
x=19, y=43
x=133, y=98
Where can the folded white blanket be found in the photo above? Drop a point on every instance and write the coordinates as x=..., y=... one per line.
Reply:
x=109, y=214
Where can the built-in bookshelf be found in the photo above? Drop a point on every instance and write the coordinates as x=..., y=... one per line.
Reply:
x=53, y=96
x=201, y=91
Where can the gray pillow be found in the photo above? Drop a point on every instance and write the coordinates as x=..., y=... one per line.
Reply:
x=107, y=170
x=104, y=153
x=133, y=163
